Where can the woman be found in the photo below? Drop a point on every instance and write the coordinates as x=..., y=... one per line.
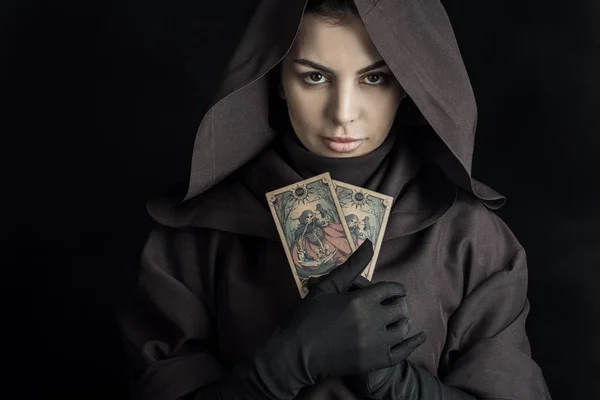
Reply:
x=376, y=93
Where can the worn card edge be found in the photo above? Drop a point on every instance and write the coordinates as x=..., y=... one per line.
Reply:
x=285, y=243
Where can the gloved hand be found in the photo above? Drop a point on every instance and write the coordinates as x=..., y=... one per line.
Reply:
x=403, y=381
x=333, y=333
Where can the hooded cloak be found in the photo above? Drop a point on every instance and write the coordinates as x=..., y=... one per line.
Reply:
x=215, y=282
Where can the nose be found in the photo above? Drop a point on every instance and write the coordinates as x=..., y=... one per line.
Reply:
x=344, y=107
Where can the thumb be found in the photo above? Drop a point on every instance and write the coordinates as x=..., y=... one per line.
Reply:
x=340, y=279
x=359, y=283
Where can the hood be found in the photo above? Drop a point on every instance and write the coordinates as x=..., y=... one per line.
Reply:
x=416, y=40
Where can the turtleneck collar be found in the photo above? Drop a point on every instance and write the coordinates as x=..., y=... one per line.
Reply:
x=385, y=170
x=353, y=170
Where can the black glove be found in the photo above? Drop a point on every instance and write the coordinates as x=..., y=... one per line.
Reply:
x=403, y=381
x=333, y=333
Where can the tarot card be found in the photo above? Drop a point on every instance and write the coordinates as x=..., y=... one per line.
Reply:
x=312, y=227
x=366, y=213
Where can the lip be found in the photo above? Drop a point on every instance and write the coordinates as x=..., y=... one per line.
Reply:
x=342, y=144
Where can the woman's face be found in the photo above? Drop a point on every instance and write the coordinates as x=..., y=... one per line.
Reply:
x=341, y=96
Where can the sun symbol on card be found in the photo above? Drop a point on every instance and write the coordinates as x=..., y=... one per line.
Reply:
x=360, y=199
x=301, y=193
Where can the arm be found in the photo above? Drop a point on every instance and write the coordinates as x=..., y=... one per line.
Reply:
x=487, y=351
x=486, y=355
x=276, y=367
x=168, y=326
x=403, y=381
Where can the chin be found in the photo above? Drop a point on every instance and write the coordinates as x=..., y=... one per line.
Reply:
x=333, y=154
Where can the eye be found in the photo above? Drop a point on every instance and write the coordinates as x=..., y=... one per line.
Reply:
x=313, y=78
x=375, y=79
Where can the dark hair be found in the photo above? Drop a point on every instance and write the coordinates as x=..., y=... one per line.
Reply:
x=332, y=10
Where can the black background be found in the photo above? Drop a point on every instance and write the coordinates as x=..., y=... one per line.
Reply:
x=102, y=102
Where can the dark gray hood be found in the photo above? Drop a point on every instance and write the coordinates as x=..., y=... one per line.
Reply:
x=416, y=40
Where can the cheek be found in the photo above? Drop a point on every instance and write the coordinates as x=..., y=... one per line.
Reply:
x=390, y=102
x=304, y=109
x=383, y=107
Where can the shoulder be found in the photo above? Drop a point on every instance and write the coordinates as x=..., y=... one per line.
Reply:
x=471, y=226
x=175, y=248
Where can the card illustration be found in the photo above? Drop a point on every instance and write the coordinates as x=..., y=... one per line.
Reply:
x=312, y=227
x=366, y=213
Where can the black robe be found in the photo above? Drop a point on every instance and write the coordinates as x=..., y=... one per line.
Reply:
x=214, y=279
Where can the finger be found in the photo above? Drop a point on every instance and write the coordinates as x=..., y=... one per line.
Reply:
x=314, y=281
x=381, y=291
x=340, y=279
x=359, y=283
x=401, y=327
x=403, y=350
x=393, y=311
x=395, y=302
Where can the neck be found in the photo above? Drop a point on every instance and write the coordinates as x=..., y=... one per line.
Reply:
x=354, y=170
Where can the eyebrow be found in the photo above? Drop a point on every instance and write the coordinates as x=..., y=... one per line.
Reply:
x=312, y=64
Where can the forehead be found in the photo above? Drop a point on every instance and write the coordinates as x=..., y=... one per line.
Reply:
x=344, y=45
